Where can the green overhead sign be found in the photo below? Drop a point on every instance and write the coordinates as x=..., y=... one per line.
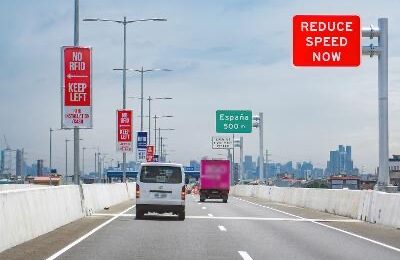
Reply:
x=234, y=121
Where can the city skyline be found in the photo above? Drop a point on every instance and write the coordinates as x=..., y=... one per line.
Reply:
x=306, y=111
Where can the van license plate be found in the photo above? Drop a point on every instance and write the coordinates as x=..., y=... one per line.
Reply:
x=160, y=195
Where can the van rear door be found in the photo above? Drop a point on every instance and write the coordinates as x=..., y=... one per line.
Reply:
x=161, y=183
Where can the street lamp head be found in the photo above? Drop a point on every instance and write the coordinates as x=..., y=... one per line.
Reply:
x=100, y=20
x=90, y=19
x=158, y=19
x=164, y=98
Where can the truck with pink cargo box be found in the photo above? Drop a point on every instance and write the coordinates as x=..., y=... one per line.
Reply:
x=214, y=180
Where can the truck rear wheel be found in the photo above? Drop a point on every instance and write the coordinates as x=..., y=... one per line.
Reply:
x=225, y=198
x=202, y=197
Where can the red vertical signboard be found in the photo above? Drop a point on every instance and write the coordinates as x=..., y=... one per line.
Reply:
x=150, y=153
x=124, y=131
x=76, y=87
x=326, y=40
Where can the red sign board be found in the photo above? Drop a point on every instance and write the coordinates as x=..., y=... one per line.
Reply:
x=149, y=153
x=124, y=130
x=76, y=87
x=326, y=40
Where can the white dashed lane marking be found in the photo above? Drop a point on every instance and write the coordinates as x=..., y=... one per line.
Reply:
x=245, y=255
x=222, y=228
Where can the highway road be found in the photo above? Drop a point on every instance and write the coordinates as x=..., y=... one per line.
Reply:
x=243, y=228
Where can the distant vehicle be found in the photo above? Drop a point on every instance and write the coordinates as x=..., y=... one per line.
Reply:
x=160, y=188
x=214, y=180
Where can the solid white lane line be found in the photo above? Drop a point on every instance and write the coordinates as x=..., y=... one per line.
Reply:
x=203, y=208
x=245, y=255
x=330, y=227
x=113, y=215
x=65, y=249
x=222, y=228
x=211, y=216
x=276, y=219
x=358, y=236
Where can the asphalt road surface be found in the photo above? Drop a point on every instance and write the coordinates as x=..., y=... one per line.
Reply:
x=243, y=228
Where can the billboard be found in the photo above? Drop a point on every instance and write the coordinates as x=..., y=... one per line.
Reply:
x=76, y=87
x=150, y=153
x=124, y=130
x=141, y=146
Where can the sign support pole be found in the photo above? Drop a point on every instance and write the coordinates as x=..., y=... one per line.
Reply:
x=383, y=177
x=76, y=129
x=233, y=160
x=261, y=160
x=382, y=51
x=241, y=160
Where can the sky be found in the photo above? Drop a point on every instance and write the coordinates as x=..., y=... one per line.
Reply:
x=224, y=54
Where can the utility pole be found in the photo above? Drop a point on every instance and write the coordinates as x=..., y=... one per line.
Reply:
x=76, y=129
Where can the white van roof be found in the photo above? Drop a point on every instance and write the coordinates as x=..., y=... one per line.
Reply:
x=160, y=164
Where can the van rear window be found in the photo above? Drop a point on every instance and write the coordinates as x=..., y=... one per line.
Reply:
x=161, y=174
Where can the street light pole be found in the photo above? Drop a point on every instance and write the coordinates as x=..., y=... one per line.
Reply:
x=66, y=160
x=155, y=130
x=141, y=100
x=83, y=160
x=149, y=136
x=161, y=138
x=142, y=71
x=155, y=133
x=124, y=100
x=124, y=23
x=51, y=130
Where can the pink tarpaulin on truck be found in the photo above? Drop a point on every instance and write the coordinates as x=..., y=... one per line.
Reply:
x=215, y=174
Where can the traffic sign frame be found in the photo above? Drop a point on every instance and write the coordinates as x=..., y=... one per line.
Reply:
x=234, y=121
x=85, y=112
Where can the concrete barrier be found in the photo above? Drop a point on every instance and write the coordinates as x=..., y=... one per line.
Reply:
x=131, y=190
x=99, y=196
x=29, y=213
x=372, y=206
x=4, y=187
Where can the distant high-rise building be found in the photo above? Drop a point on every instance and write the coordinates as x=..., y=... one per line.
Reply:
x=340, y=161
x=19, y=162
x=195, y=165
x=2, y=161
x=39, y=168
x=248, y=164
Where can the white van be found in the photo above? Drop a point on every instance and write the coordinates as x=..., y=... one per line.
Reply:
x=160, y=188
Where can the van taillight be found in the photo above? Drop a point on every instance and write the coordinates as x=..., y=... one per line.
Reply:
x=137, y=191
x=183, y=193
